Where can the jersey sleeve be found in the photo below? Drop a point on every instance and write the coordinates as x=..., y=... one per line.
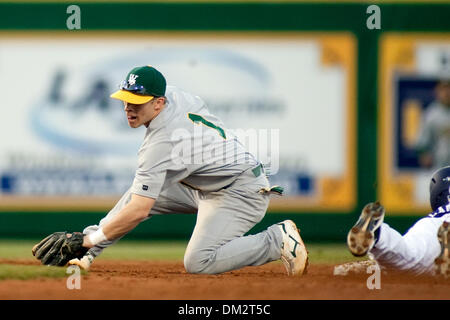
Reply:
x=154, y=161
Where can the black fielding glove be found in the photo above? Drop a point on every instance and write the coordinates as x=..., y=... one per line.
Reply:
x=60, y=247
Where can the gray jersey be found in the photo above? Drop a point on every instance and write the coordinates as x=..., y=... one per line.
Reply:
x=185, y=143
x=434, y=135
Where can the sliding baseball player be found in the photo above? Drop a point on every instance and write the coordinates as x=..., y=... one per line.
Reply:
x=423, y=249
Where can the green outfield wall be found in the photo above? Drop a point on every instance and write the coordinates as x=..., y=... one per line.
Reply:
x=183, y=16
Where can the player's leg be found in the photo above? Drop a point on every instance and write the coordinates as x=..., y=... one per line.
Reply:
x=177, y=198
x=414, y=252
x=218, y=243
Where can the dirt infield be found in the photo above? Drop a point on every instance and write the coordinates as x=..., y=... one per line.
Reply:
x=162, y=280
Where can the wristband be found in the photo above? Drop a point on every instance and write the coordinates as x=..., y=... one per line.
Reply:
x=97, y=237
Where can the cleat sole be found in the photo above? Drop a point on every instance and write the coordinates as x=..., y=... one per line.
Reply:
x=360, y=238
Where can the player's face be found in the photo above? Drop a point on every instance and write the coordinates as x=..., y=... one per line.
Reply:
x=140, y=114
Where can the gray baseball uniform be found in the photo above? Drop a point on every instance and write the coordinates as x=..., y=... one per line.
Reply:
x=190, y=163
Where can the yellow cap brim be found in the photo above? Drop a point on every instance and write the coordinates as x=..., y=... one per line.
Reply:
x=130, y=97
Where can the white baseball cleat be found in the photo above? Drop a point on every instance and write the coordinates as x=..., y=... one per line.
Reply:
x=361, y=237
x=84, y=263
x=293, y=251
x=442, y=262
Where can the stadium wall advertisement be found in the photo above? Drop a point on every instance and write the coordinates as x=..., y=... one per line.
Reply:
x=73, y=147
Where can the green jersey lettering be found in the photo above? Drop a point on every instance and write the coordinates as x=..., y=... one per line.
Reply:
x=198, y=118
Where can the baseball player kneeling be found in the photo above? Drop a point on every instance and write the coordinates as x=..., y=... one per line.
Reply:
x=188, y=163
x=423, y=249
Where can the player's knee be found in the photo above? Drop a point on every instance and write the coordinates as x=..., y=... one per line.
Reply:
x=192, y=265
x=196, y=263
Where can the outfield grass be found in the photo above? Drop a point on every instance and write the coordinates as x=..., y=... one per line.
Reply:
x=168, y=250
x=20, y=272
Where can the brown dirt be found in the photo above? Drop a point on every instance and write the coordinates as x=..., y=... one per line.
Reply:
x=163, y=280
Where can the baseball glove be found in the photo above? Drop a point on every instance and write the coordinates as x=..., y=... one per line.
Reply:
x=59, y=247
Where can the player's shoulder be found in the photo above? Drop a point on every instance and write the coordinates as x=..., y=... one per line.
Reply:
x=182, y=102
x=182, y=97
x=441, y=211
x=179, y=104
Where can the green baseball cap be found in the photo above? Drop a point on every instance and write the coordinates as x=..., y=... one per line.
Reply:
x=141, y=85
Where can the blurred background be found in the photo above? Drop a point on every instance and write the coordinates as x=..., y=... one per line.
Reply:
x=349, y=100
